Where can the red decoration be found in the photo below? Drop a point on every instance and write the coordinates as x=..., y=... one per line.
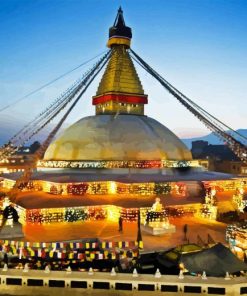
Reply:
x=120, y=98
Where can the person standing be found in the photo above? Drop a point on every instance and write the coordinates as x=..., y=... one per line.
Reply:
x=185, y=232
x=120, y=224
x=5, y=259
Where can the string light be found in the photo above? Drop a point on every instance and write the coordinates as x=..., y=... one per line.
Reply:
x=142, y=164
x=104, y=188
x=112, y=187
x=225, y=185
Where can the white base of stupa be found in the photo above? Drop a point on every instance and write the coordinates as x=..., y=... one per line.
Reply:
x=9, y=232
x=158, y=228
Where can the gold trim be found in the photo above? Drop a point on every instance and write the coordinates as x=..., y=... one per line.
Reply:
x=118, y=41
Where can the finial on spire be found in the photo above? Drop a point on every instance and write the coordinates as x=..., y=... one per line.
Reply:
x=119, y=20
x=119, y=33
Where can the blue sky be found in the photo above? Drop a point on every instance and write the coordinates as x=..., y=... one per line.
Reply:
x=197, y=45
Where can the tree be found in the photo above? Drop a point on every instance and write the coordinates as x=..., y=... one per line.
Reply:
x=35, y=146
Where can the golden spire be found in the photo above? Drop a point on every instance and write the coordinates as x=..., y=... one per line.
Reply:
x=120, y=75
x=120, y=89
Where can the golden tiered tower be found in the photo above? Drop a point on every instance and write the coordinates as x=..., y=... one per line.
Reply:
x=120, y=90
x=119, y=135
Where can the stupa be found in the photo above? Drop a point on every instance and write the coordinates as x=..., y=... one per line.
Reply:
x=118, y=152
x=120, y=134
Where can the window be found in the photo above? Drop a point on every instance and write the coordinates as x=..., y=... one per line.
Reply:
x=169, y=288
x=123, y=286
x=79, y=284
x=14, y=282
x=33, y=283
x=217, y=291
x=57, y=284
x=243, y=290
x=101, y=285
x=192, y=289
x=146, y=287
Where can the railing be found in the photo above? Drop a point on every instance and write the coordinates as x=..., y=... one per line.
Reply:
x=11, y=280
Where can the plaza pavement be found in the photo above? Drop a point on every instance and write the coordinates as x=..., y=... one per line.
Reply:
x=108, y=230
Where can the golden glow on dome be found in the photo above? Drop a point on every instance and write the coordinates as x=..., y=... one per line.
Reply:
x=122, y=137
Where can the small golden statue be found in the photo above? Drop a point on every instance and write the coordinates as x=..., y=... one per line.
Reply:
x=157, y=206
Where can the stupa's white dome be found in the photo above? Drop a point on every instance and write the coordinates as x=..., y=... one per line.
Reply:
x=117, y=137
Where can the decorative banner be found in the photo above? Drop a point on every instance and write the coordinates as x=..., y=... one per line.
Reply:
x=74, y=245
x=76, y=250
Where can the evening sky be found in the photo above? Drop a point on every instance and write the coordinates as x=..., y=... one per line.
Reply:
x=197, y=45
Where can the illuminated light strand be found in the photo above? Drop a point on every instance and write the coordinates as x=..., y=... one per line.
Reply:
x=111, y=164
x=95, y=213
x=225, y=185
x=105, y=187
